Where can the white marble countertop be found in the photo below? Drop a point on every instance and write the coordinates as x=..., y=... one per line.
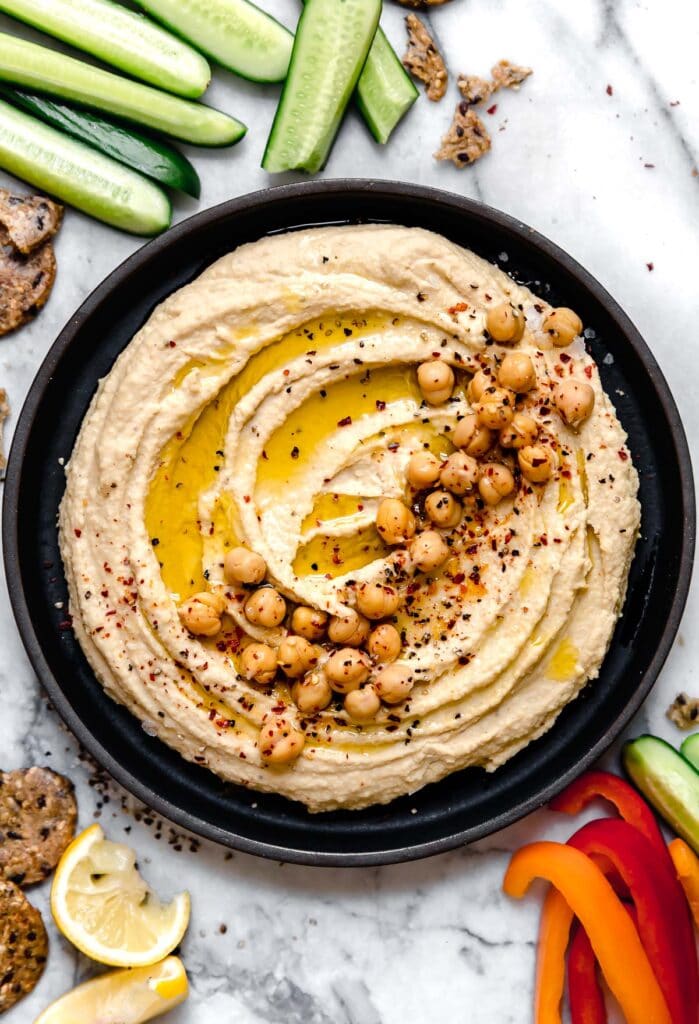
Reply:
x=610, y=175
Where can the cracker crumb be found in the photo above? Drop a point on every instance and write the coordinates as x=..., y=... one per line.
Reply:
x=684, y=711
x=467, y=139
x=423, y=60
x=474, y=89
x=508, y=76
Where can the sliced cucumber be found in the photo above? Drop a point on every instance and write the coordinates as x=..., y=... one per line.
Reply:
x=331, y=45
x=385, y=91
x=149, y=156
x=36, y=67
x=669, y=781
x=690, y=749
x=119, y=37
x=234, y=33
x=79, y=175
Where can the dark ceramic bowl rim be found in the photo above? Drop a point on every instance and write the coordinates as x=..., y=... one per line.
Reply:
x=25, y=423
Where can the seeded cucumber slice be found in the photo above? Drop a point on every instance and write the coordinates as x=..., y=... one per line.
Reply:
x=79, y=175
x=669, y=781
x=385, y=91
x=331, y=45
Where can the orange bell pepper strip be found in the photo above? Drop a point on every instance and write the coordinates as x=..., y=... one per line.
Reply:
x=554, y=932
x=584, y=990
x=601, y=913
x=687, y=867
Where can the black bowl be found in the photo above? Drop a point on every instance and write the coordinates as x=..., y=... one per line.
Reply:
x=469, y=804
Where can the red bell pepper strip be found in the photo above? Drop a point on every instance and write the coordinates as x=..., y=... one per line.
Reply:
x=584, y=989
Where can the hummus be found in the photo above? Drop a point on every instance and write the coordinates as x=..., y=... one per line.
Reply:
x=277, y=404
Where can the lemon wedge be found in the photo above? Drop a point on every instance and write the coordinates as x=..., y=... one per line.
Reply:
x=122, y=997
x=102, y=905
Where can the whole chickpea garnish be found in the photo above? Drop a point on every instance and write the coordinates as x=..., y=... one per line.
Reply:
x=384, y=642
x=281, y=742
x=351, y=630
x=296, y=656
x=459, y=473
x=495, y=408
x=480, y=382
x=394, y=683
x=377, y=600
x=243, y=566
x=505, y=322
x=362, y=705
x=201, y=613
x=496, y=483
x=443, y=509
x=575, y=400
x=265, y=607
x=436, y=381
x=394, y=521
x=423, y=469
x=347, y=669
x=522, y=431
x=428, y=551
x=563, y=326
x=517, y=373
x=309, y=622
x=470, y=435
x=259, y=662
x=537, y=463
x=311, y=694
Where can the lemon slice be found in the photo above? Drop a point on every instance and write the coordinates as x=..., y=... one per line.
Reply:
x=122, y=997
x=103, y=906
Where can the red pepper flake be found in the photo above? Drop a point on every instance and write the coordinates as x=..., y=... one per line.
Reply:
x=491, y=110
x=172, y=344
x=588, y=372
x=564, y=357
x=610, y=91
x=78, y=533
x=380, y=405
x=459, y=577
x=246, y=499
x=460, y=307
x=623, y=455
x=345, y=421
x=649, y=265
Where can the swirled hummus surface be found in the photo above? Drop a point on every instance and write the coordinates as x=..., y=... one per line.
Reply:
x=274, y=405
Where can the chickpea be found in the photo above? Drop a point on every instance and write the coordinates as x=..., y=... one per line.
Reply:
x=394, y=683
x=394, y=521
x=266, y=607
x=459, y=473
x=281, y=741
x=495, y=408
x=475, y=439
x=436, y=381
x=201, y=613
x=428, y=551
x=384, y=642
x=537, y=463
x=563, y=326
x=575, y=400
x=309, y=622
x=297, y=656
x=423, y=469
x=311, y=694
x=243, y=566
x=443, y=509
x=522, y=431
x=363, y=704
x=259, y=662
x=481, y=380
x=496, y=483
x=351, y=629
x=517, y=373
x=505, y=322
x=377, y=600
x=347, y=669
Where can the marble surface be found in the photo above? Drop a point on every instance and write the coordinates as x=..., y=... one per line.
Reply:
x=599, y=151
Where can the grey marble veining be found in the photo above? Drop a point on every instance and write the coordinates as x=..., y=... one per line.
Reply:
x=613, y=179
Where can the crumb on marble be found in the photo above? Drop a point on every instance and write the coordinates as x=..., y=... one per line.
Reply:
x=423, y=60
x=684, y=711
x=467, y=139
x=506, y=75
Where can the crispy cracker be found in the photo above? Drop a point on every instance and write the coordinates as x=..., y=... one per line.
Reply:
x=25, y=282
x=37, y=822
x=23, y=945
x=423, y=60
x=29, y=220
x=467, y=139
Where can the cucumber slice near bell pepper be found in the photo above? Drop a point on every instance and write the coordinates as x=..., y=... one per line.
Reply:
x=81, y=176
x=155, y=159
x=385, y=92
x=119, y=37
x=669, y=781
x=234, y=33
x=47, y=71
x=331, y=45
x=690, y=749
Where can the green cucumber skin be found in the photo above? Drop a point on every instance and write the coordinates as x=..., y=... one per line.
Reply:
x=80, y=176
x=119, y=37
x=317, y=87
x=230, y=33
x=690, y=750
x=385, y=92
x=155, y=159
x=38, y=68
x=669, y=781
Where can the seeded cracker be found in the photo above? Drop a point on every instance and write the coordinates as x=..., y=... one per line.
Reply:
x=423, y=60
x=467, y=139
x=29, y=220
x=37, y=822
x=684, y=711
x=23, y=945
x=25, y=282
